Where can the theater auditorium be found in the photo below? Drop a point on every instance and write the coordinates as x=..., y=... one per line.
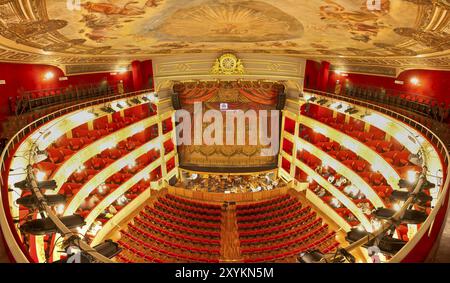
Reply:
x=224, y=131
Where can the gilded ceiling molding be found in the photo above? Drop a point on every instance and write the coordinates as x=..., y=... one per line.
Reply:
x=339, y=31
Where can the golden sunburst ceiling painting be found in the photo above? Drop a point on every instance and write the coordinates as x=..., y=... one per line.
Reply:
x=395, y=33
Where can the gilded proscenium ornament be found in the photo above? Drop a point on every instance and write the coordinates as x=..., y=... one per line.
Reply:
x=228, y=64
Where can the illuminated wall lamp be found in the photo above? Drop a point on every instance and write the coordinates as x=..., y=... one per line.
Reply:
x=49, y=75
x=415, y=81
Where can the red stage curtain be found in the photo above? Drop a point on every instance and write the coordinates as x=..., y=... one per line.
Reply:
x=197, y=95
x=265, y=97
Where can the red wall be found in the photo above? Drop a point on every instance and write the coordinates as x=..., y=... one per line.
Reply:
x=312, y=73
x=142, y=74
x=433, y=84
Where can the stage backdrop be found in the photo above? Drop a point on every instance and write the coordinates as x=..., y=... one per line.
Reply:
x=225, y=97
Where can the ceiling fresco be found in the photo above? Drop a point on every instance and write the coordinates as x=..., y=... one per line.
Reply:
x=398, y=33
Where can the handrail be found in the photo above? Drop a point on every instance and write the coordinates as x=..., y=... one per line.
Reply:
x=435, y=141
x=19, y=136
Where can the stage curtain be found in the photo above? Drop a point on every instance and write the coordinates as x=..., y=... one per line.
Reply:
x=197, y=95
x=265, y=97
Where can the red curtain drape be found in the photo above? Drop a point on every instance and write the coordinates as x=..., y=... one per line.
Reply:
x=265, y=97
x=197, y=95
x=256, y=94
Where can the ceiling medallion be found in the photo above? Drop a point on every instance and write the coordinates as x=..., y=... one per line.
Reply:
x=228, y=64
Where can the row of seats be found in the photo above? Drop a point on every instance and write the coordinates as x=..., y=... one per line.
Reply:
x=242, y=207
x=193, y=203
x=179, y=228
x=324, y=243
x=152, y=238
x=349, y=159
x=282, y=236
x=170, y=236
x=337, y=180
x=298, y=238
x=64, y=148
x=392, y=151
x=201, y=240
x=190, y=215
x=269, y=231
x=182, y=220
x=336, y=205
x=263, y=209
x=276, y=212
x=277, y=226
x=168, y=201
x=297, y=211
x=160, y=252
x=99, y=162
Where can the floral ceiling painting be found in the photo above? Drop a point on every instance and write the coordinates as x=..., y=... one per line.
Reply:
x=93, y=31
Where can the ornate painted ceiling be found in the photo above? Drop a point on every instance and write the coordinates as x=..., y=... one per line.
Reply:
x=398, y=33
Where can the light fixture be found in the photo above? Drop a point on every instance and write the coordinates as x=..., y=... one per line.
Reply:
x=322, y=101
x=151, y=97
x=310, y=257
x=411, y=176
x=122, y=70
x=343, y=255
x=415, y=81
x=49, y=75
x=135, y=100
x=46, y=185
x=108, y=109
x=47, y=226
x=108, y=249
x=32, y=202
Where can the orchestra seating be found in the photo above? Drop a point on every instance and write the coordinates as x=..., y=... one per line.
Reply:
x=279, y=229
x=173, y=229
x=176, y=229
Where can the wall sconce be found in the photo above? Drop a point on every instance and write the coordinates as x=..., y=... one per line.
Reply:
x=415, y=81
x=49, y=75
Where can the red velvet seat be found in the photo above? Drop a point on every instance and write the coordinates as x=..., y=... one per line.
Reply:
x=384, y=146
x=55, y=155
x=76, y=143
x=359, y=165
